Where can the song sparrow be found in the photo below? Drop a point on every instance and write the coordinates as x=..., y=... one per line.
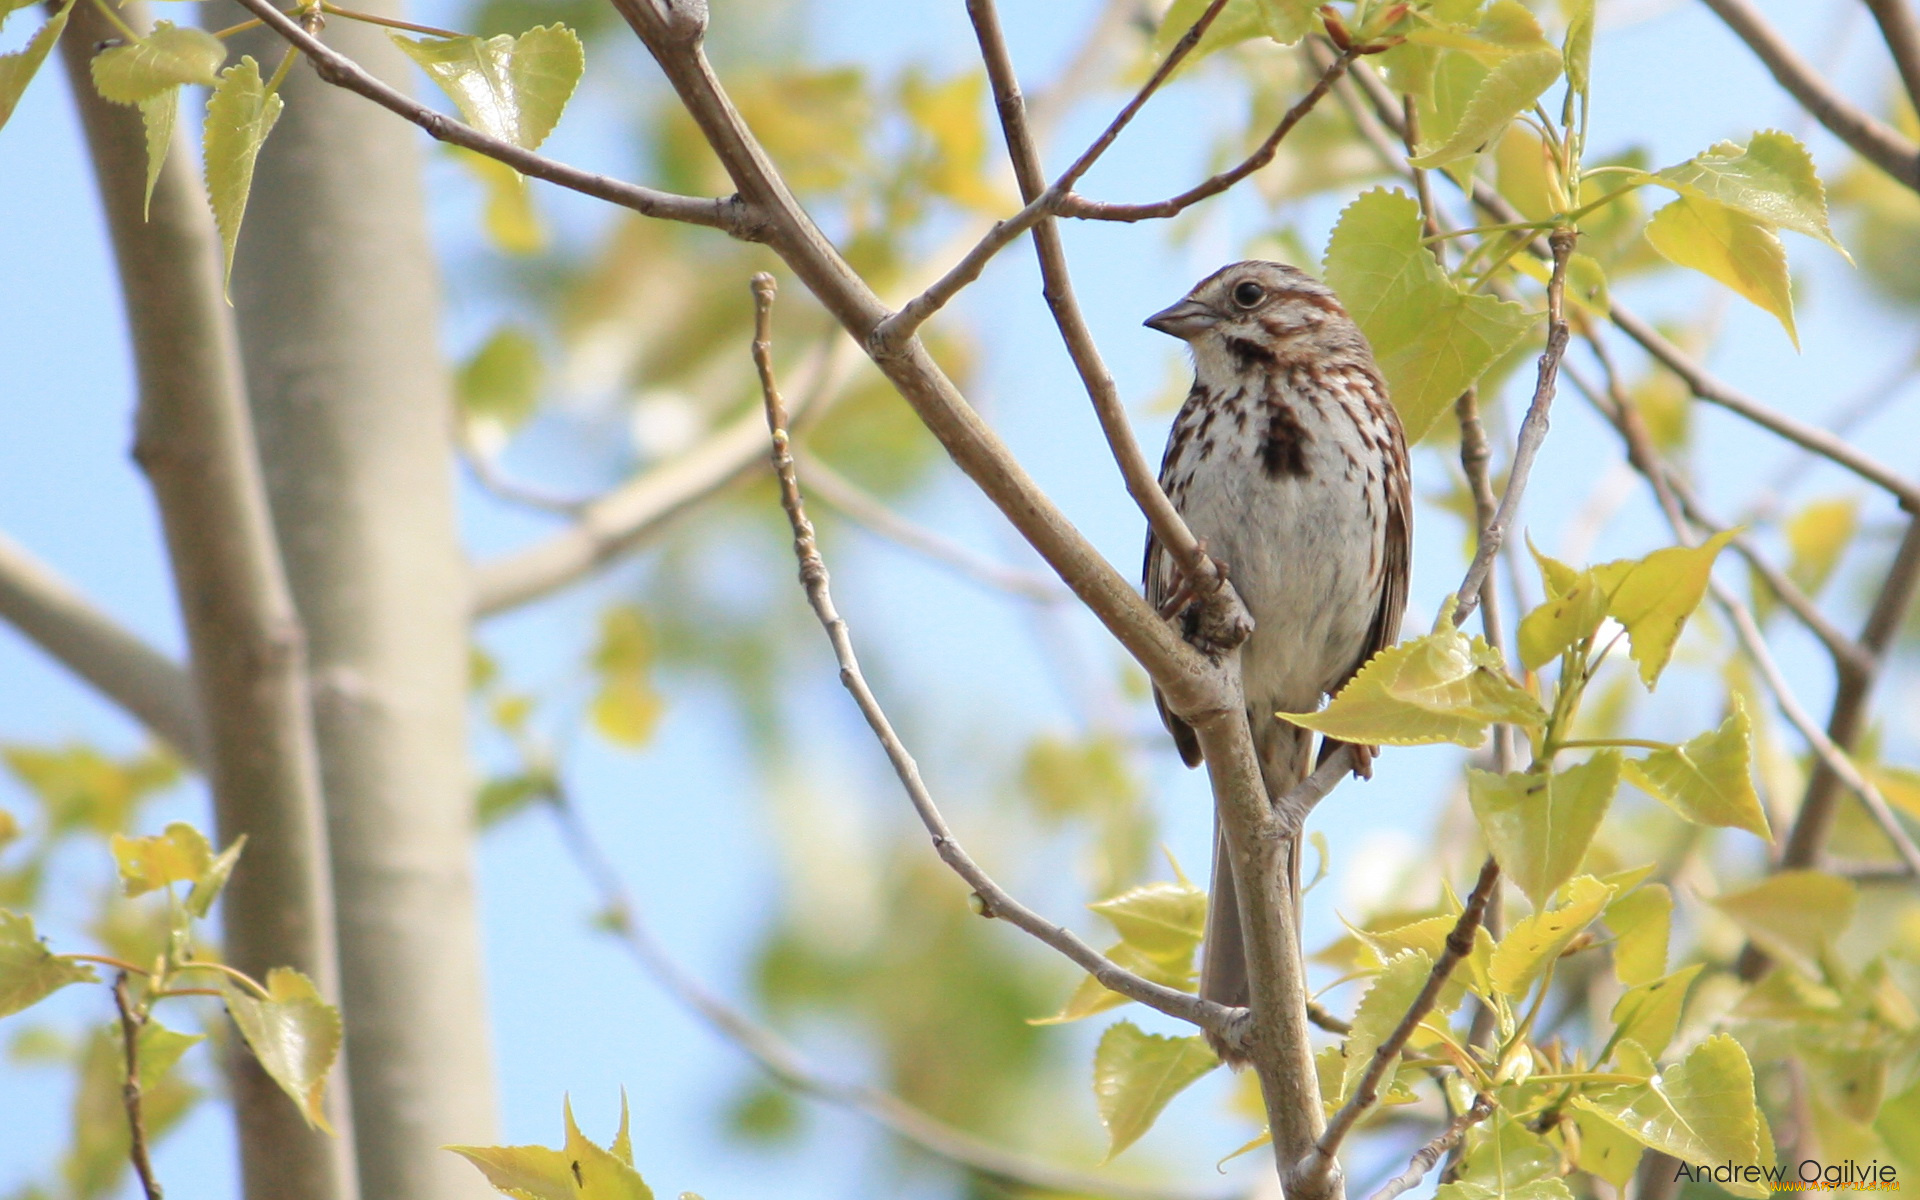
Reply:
x=1289, y=463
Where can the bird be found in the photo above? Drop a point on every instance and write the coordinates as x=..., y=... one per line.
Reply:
x=1289, y=464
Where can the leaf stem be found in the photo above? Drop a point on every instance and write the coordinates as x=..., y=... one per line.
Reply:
x=1604, y=743
x=113, y=19
x=388, y=22
x=108, y=961
x=230, y=972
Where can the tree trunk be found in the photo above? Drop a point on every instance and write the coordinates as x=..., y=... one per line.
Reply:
x=337, y=300
x=195, y=442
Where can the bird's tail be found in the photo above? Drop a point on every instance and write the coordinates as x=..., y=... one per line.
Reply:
x=1285, y=753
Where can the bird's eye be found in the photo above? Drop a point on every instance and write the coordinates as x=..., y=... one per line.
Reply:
x=1248, y=293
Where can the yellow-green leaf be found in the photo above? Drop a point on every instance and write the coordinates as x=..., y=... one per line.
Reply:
x=1429, y=936
x=29, y=972
x=1135, y=1074
x=949, y=114
x=524, y=1172
x=9, y=827
x=1539, y=825
x=603, y=1174
x=1577, y=50
x=1605, y=1150
x=1091, y=996
x=1817, y=536
x=135, y=72
x=1709, y=781
x=1507, y=91
x=1503, y=1156
x=1641, y=921
x=1794, y=915
x=1770, y=179
x=1726, y=244
x=157, y=117
x=159, y=1049
x=500, y=385
x=1649, y=1013
x=1379, y=1013
x=1653, y=597
x=293, y=1033
x=1162, y=920
x=1534, y=943
x=1431, y=338
x=627, y=708
x=512, y=88
x=1536, y=1189
x=208, y=884
x=509, y=217
x=18, y=69
x=1443, y=687
x=1576, y=603
x=1700, y=1110
x=1285, y=21
x=240, y=115
x=180, y=855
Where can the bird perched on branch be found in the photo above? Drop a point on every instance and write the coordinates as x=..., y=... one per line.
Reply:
x=1288, y=463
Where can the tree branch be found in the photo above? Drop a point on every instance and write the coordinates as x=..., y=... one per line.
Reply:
x=994, y=900
x=613, y=524
x=1903, y=41
x=1095, y=210
x=867, y=510
x=130, y=1098
x=787, y=1066
x=725, y=213
x=53, y=615
x=1429, y=1154
x=1872, y=140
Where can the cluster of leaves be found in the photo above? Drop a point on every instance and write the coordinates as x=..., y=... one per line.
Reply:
x=580, y=1169
x=290, y=1029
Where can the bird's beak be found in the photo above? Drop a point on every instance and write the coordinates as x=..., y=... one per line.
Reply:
x=1184, y=320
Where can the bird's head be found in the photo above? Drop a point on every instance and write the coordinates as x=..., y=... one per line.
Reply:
x=1260, y=313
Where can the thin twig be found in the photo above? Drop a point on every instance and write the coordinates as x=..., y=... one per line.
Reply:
x=994, y=900
x=865, y=509
x=131, y=1019
x=1878, y=144
x=1459, y=944
x=728, y=213
x=1040, y=203
x=1533, y=430
x=1429, y=1154
x=784, y=1062
x=1903, y=41
x=1082, y=208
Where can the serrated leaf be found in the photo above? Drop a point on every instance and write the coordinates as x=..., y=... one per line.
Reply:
x=1135, y=1074
x=293, y=1033
x=208, y=885
x=1709, y=780
x=1539, y=825
x=1641, y=921
x=1163, y=920
x=1653, y=597
x=1649, y=1013
x=18, y=69
x=1285, y=21
x=1379, y=1013
x=1538, y=1189
x=1504, y=1156
x=1429, y=936
x=1700, y=1110
x=600, y=1174
x=1727, y=245
x=1443, y=687
x=512, y=88
x=525, y=1172
x=1534, y=943
x=135, y=72
x=1091, y=996
x=1794, y=915
x=1605, y=1150
x=29, y=972
x=1770, y=179
x=180, y=855
x=159, y=1049
x=157, y=117
x=1508, y=90
x=240, y=115
x=1431, y=338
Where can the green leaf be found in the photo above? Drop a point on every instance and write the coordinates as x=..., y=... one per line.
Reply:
x=180, y=855
x=1653, y=597
x=1770, y=179
x=500, y=384
x=157, y=116
x=1431, y=338
x=240, y=115
x=510, y=88
x=1818, y=535
x=293, y=1033
x=509, y=217
x=1649, y=1013
x=1162, y=920
x=1794, y=915
x=1534, y=943
x=603, y=1174
x=1135, y=1074
x=159, y=1049
x=1093, y=997
x=1443, y=687
x=1576, y=603
x=1538, y=825
x=1380, y=1010
x=1577, y=50
x=1507, y=91
x=1700, y=1110
x=80, y=788
x=1641, y=921
x=1538, y=1189
x=627, y=708
x=1429, y=936
x=1605, y=1150
x=207, y=886
x=135, y=72
x=1504, y=1156
x=1709, y=781
x=526, y=1172
x=29, y=972
x=1726, y=244
x=18, y=69
x=1285, y=21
